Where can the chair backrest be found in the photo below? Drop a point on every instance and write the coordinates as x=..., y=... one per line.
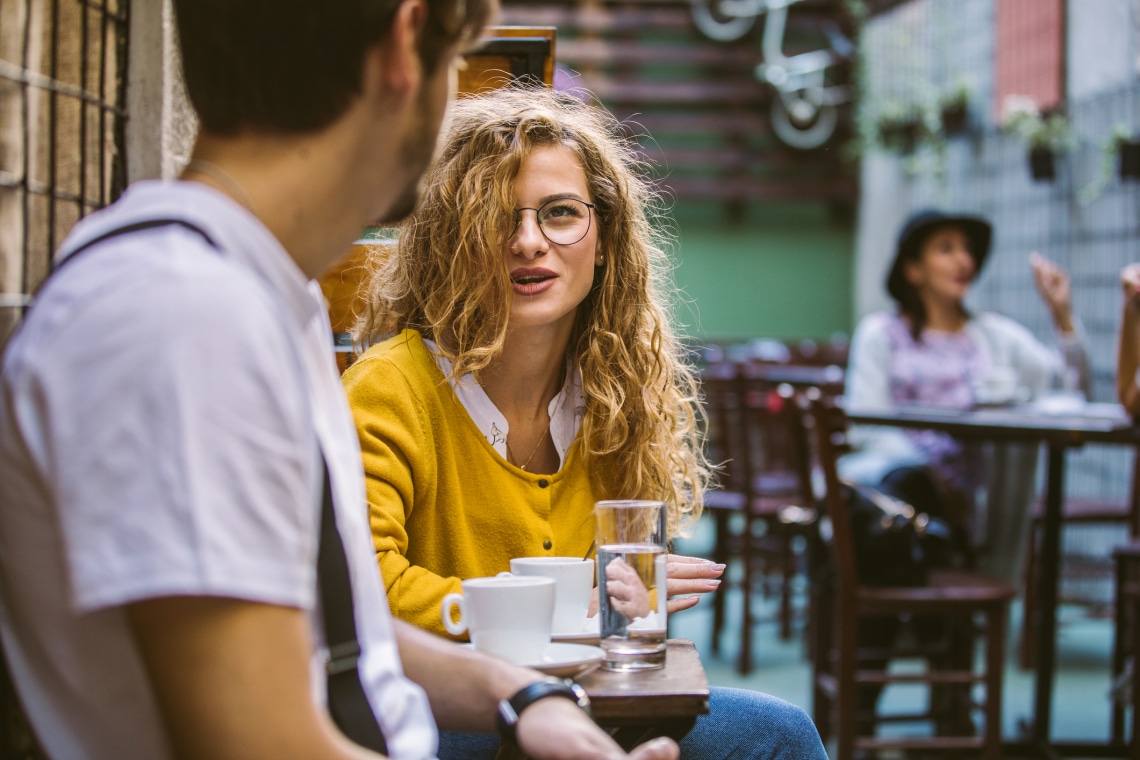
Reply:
x=756, y=430
x=729, y=444
x=830, y=422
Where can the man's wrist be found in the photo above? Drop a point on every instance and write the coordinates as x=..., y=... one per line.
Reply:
x=510, y=710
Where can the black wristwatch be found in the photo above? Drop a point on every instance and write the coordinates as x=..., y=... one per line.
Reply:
x=510, y=709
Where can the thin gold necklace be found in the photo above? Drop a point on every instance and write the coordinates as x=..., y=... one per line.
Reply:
x=542, y=438
x=222, y=177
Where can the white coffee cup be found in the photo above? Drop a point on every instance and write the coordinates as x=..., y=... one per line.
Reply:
x=506, y=616
x=575, y=580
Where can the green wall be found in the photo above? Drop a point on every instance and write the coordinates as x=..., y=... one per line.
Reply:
x=783, y=271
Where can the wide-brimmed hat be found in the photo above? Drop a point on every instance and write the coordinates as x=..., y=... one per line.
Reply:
x=919, y=225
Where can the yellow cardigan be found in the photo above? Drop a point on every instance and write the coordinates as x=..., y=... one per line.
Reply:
x=443, y=504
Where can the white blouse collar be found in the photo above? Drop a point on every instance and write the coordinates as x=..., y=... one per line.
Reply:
x=565, y=409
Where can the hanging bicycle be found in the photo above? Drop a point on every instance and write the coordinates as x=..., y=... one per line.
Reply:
x=804, y=114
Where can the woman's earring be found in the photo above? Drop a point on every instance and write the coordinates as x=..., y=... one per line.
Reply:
x=601, y=260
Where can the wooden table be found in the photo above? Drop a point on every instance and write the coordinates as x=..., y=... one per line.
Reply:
x=1101, y=423
x=663, y=702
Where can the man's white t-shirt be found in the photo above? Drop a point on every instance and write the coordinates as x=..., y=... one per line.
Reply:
x=160, y=417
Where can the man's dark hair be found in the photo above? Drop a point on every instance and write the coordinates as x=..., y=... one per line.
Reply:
x=293, y=66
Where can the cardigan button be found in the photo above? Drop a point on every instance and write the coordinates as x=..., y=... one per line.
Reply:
x=547, y=545
x=543, y=484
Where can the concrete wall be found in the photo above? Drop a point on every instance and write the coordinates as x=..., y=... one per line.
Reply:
x=161, y=128
x=783, y=272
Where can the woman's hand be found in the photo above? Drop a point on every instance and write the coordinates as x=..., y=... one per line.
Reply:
x=1130, y=283
x=1053, y=284
x=689, y=576
x=628, y=595
x=686, y=576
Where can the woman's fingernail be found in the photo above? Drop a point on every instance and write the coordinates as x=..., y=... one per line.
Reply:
x=712, y=583
x=716, y=566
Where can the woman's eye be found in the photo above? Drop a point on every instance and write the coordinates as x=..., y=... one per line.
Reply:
x=561, y=211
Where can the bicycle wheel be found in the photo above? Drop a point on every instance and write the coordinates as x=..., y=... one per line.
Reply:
x=724, y=20
x=800, y=133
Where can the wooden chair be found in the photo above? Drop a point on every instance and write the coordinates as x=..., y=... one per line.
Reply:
x=1088, y=566
x=841, y=666
x=1126, y=645
x=755, y=429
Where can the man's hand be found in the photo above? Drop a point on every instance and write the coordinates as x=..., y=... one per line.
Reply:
x=557, y=729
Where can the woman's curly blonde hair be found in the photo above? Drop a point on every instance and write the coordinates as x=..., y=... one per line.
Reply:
x=448, y=278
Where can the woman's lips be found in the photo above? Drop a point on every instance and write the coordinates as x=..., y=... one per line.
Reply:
x=531, y=282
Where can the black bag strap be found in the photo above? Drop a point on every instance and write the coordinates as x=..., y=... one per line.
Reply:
x=116, y=232
x=347, y=701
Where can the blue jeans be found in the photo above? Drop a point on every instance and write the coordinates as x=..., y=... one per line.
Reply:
x=741, y=725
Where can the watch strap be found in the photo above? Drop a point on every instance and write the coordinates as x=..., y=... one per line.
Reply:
x=511, y=709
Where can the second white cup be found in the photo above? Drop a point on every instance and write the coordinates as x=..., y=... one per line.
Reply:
x=506, y=616
x=574, y=578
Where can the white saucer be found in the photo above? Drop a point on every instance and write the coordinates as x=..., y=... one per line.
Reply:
x=590, y=633
x=565, y=660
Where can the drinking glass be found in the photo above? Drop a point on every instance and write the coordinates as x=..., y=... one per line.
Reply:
x=631, y=582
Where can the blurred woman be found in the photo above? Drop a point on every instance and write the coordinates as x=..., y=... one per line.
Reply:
x=931, y=351
x=533, y=370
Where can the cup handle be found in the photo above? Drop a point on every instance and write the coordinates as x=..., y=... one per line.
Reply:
x=455, y=629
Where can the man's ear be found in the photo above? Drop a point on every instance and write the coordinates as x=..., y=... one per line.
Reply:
x=400, y=69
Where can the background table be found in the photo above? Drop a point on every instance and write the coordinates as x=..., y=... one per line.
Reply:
x=1100, y=423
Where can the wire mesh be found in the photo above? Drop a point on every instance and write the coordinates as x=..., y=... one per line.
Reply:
x=1086, y=219
x=62, y=118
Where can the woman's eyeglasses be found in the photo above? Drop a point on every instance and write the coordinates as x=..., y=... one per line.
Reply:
x=563, y=221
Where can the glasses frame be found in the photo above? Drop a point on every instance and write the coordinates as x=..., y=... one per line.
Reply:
x=542, y=229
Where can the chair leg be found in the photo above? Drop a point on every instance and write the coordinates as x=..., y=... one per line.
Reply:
x=819, y=642
x=996, y=619
x=744, y=664
x=787, y=575
x=720, y=556
x=1121, y=618
x=1134, y=740
x=847, y=691
x=1027, y=648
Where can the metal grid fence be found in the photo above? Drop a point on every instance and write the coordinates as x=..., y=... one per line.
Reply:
x=1087, y=219
x=62, y=119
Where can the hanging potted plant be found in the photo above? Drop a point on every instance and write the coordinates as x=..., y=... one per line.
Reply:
x=954, y=109
x=1120, y=150
x=1128, y=148
x=1047, y=136
x=900, y=127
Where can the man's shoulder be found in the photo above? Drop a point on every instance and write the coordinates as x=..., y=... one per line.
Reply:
x=158, y=280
